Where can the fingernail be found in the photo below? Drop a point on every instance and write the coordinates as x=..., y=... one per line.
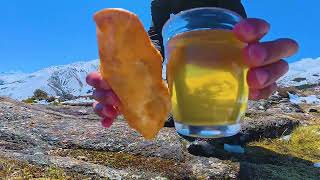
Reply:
x=106, y=122
x=262, y=76
x=99, y=107
x=257, y=54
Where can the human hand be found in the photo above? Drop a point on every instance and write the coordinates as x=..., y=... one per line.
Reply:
x=265, y=59
x=107, y=101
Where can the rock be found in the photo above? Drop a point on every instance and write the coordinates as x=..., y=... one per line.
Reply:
x=285, y=100
x=252, y=171
x=94, y=170
x=170, y=121
x=274, y=102
x=212, y=168
x=83, y=112
x=201, y=148
x=297, y=108
x=267, y=127
x=120, y=152
x=313, y=110
x=284, y=94
x=284, y=91
x=82, y=158
x=299, y=79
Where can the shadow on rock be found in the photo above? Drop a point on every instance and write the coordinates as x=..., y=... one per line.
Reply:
x=259, y=163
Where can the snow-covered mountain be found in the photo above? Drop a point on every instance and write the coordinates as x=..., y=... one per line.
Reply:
x=70, y=79
x=305, y=71
x=55, y=80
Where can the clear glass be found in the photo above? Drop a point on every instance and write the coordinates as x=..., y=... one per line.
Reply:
x=205, y=72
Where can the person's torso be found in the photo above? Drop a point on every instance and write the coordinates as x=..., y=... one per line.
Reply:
x=161, y=9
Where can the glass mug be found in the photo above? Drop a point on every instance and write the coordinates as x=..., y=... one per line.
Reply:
x=205, y=71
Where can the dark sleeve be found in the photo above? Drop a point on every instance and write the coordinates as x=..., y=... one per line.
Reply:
x=160, y=13
x=161, y=10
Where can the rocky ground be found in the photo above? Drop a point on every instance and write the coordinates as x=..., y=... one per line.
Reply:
x=280, y=140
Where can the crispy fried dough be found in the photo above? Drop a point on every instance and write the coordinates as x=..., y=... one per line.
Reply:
x=132, y=66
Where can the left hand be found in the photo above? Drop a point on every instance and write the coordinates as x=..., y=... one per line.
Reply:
x=265, y=59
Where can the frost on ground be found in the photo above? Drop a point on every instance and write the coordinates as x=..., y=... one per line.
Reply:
x=42, y=102
x=305, y=71
x=79, y=100
x=312, y=99
x=55, y=80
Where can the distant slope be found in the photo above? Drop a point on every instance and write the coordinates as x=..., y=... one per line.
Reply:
x=305, y=71
x=70, y=79
x=56, y=80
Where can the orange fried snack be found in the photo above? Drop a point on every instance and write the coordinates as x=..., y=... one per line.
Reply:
x=132, y=66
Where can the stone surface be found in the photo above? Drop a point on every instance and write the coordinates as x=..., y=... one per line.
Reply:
x=43, y=134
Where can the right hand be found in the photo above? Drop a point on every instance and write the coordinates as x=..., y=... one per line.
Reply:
x=107, y=101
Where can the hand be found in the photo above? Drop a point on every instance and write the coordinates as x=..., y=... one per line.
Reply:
x=108, y=102
x=263, y=58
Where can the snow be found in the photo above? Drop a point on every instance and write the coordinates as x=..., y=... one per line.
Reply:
x=312, y=99
x=307, y=68
x=286, y=138
x=54, y=80
x=317, y=165
x=43, y=102
x=79, y=100
x=70, y=78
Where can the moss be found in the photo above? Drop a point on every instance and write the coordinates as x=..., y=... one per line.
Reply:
x=13, y=169
x=304, y=143
x=56, y=103
x=120, y=160
x=29, y=100
x=281, y=159
x=40, y=94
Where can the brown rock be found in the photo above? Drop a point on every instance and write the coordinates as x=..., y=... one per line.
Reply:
x=56, y=129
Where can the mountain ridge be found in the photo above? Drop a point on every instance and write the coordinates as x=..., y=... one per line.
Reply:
x=70, y=78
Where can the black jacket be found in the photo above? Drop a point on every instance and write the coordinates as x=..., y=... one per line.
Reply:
x=161, y=10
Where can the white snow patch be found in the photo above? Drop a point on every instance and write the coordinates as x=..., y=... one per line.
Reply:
x=307, y=68
x=79, y=100
x=286, y=138
x=42, y=102
x=312, y=99
x=317, y=165
x=53, y=80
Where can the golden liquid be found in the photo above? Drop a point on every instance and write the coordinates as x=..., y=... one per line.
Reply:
x=207, y=78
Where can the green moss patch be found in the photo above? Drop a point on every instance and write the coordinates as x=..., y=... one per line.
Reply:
x=120, y=160
x=13, y=169
x=283, y=159
x=304, y=143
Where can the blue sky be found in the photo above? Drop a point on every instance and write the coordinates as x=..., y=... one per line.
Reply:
x=35, y=34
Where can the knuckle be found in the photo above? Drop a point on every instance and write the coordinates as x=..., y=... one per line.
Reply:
x=284, y=65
